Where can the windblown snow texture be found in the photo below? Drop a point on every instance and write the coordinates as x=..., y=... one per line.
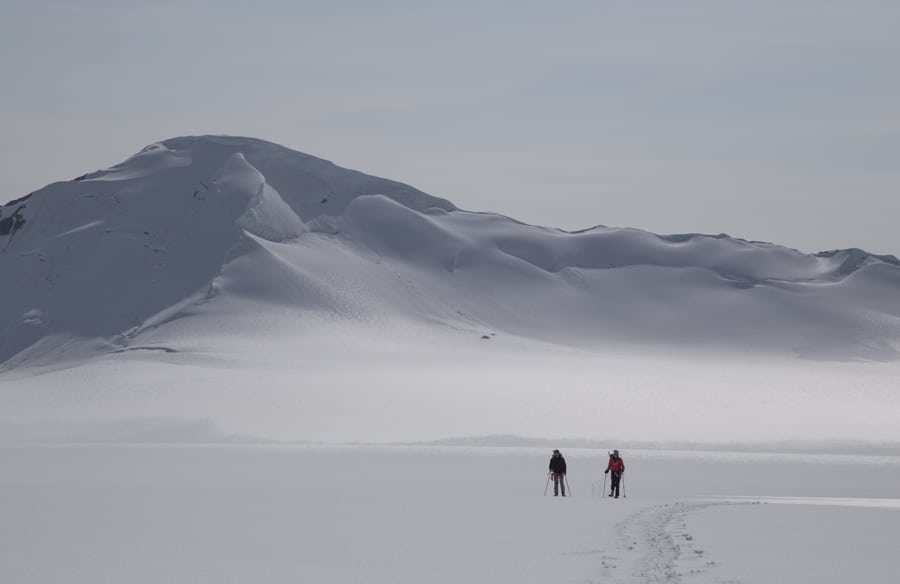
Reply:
x=90, y=264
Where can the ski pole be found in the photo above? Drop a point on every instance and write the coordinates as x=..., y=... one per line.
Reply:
x=624, y=494
x=547, y=485
x=565, y=478
x=603, y=492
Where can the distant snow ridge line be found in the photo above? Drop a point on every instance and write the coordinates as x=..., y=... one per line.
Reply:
x=90, y=265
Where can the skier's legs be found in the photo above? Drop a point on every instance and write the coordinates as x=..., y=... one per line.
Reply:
x=556, y=482
x=614, y=489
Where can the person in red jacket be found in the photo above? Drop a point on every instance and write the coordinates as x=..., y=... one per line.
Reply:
x=617, y=466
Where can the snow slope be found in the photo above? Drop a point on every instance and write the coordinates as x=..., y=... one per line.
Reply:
x=273, y=293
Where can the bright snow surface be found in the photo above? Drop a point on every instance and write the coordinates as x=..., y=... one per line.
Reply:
x=328, y=514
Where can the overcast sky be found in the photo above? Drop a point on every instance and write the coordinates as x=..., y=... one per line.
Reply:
x=774, y=120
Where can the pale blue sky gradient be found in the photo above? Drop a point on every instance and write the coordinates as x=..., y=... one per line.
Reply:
x=771, y=120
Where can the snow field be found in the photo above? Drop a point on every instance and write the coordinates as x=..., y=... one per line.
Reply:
x=812, y=541
x=344, y=514
x=288, y=377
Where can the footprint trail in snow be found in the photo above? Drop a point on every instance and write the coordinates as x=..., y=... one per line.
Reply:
x=655, y=546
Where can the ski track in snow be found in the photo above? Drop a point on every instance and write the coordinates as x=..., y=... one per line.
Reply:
x=655, y=546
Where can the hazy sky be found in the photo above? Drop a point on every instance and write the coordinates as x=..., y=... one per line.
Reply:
x=776, y=120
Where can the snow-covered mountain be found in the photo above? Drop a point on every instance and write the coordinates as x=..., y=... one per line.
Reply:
x=91, y=265
x=214, y=288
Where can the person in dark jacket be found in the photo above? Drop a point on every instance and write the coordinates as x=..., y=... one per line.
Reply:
x=558, y=472
x=617, y=466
